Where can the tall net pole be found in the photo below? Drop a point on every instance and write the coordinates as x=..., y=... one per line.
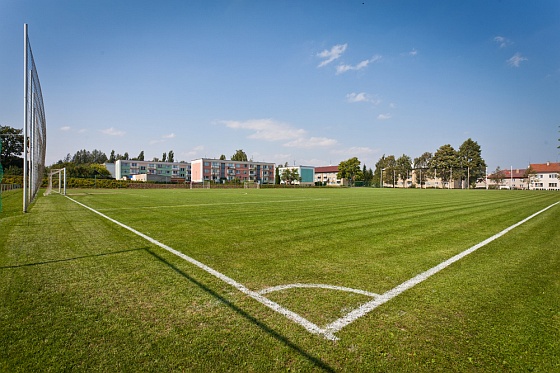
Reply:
x=34, y=128
x=1, y=176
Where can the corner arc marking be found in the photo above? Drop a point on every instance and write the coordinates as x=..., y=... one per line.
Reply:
x=320, y=286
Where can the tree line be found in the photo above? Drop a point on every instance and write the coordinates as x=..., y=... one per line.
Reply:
x=446, y=163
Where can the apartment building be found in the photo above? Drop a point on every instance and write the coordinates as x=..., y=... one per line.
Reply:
x=544, y=176
x=327, y=175
x=510, y=179
x=156, y=171
x=218, y=170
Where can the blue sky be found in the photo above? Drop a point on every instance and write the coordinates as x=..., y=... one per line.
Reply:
x=305, y=82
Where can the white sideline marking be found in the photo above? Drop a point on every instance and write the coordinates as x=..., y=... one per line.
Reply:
x=385, y=297
x=321, y=286
x=329, y=331
x=311, y=327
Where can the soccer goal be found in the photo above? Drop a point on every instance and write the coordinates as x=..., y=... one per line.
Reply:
x=249, y=184
x=200, y=185
x=57, y=184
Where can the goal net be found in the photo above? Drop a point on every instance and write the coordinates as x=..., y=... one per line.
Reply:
x=1, y=175
x=199, y=185
x=34, y=129
x=57, y=182
x=251, y=185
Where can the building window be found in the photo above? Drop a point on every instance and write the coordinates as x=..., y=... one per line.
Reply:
x=552, y=185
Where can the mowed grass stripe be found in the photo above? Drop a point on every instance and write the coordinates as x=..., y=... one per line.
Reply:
x=354, y=237
x=92, y=297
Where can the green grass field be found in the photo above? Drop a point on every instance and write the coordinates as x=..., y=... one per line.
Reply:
x=79, y=292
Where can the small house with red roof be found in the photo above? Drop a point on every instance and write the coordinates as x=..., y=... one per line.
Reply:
x=327, y=175
x=544, y=176
x=516, y=178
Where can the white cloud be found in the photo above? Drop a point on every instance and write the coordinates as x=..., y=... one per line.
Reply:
x=344, y=68
x=65, y=128
x=355, y=151
x=271, y=130
x=170, y=136
x=362, y=97
x=502, y=41
x=516, y=60
x=384, y=116
x=113, y=132
x=193, y=152
x=311, y=142
x=413, y=52
x=329, y=56
x=267, y=129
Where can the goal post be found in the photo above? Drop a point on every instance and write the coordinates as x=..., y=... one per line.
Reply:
x=57, y=182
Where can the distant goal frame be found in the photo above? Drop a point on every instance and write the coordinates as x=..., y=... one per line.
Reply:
x=61, y=172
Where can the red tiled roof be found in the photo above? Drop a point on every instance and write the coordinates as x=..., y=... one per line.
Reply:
x=325, y=169
x=546, y=167
x=518, y=173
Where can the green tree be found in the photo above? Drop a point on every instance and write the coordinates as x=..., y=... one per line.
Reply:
x=12, y=147
x=367, y=175
x=403, y=167
x=112, y=158
x=444, y=161
x=239, y=156
x=222, y=157
x=422, y=166
x=164, y=157
x=290, y=175
x=470, y=157
x=529, y=174
x=385, y=171
x=86, y=157
x=141, y=156
x=349, y=169
x=171, y=156
x=498, y=176
x=277, y=176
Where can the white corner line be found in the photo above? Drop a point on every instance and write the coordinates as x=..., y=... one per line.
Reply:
x=385, y=297
x=308, y=325
x=317, y=286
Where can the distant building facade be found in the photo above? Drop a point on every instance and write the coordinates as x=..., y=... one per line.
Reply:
x=544, y=176
x=218, y=170
x=327, y=175
x=306, y=174
x=163, y=171
x=510, y=179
